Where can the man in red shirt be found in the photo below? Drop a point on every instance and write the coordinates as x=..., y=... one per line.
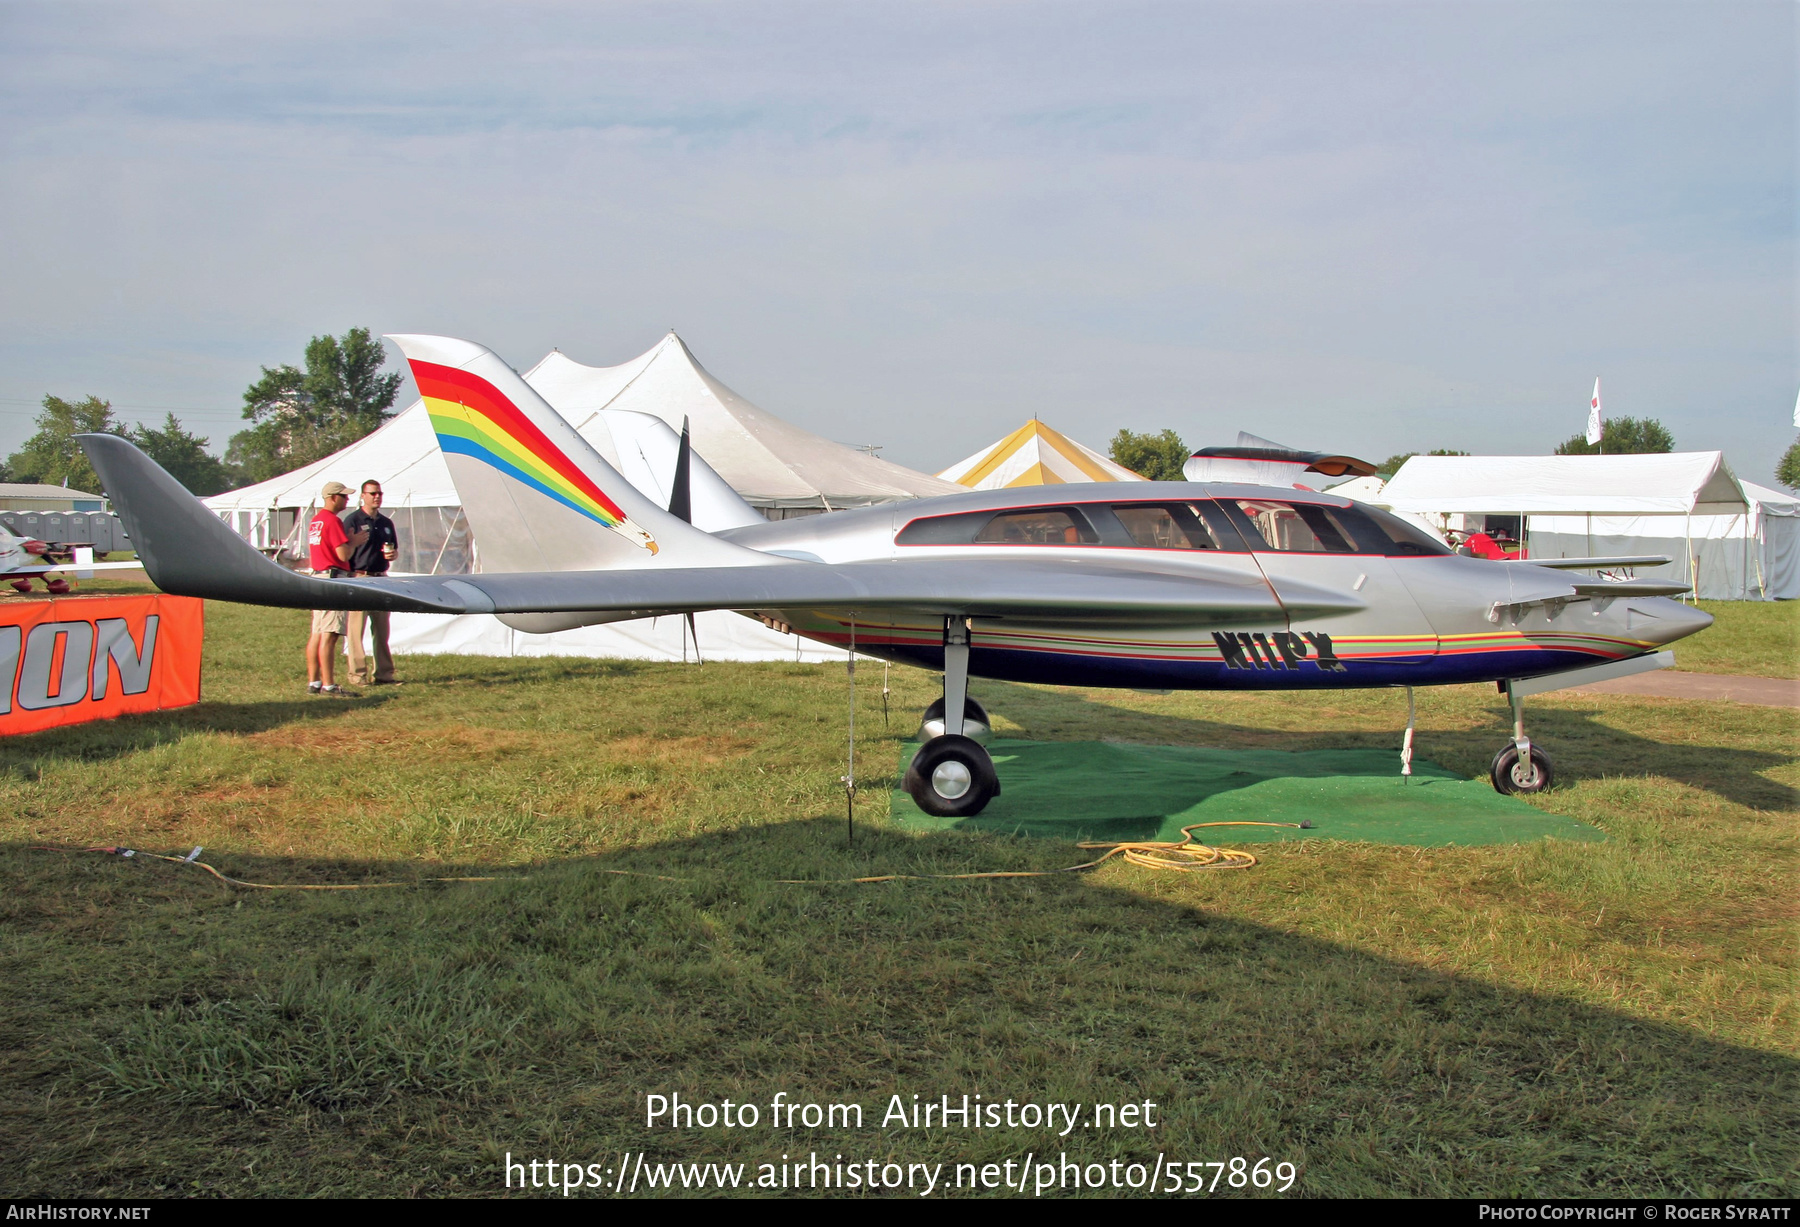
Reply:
x=331, y=549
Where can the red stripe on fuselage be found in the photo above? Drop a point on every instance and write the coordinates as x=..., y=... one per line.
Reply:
x=448, y=383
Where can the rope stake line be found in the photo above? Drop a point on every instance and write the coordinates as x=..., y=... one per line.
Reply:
x=1406, y=745
x=850, y=761
x=1181, y=856
x=192, y=858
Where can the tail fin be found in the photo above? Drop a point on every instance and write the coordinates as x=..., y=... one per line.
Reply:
x=537, y=496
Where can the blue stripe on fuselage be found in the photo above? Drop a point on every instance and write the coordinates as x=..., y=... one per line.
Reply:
x=1071, y=669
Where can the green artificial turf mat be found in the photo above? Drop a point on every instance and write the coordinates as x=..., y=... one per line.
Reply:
x=1106, y=790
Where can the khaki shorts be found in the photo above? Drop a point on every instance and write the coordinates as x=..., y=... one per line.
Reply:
x=330, y=621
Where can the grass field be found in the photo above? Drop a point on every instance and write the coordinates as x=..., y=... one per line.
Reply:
x=1549, y=1019
x=1760, y=638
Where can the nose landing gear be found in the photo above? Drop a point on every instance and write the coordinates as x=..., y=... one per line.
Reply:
x=952, y=776
x=977, y=726
x=1521, y=766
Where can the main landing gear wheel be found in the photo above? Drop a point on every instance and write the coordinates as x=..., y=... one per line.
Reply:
x=1510, y=775
x=951, y=777
x=976, y=724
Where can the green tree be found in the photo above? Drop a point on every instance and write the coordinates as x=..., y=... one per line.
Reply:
x=1787, y=472
x=1622, y=437
x=1387, y=468
x=302, y=416
x=184, y=455
x=1158, y=457
x=51, y=455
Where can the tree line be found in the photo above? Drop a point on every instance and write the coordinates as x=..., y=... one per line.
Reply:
x=297, y=415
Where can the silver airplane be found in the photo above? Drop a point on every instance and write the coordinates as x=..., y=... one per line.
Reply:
x=1178, y=585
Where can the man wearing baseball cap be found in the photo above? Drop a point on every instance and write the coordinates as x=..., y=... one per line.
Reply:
x=331, y=550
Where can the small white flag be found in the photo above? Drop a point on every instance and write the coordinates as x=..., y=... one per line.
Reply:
x=1594, y=427
x=1797, y=411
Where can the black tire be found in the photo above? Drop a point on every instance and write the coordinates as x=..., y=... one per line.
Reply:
x=976, y=724
x=1506, y=778
x=932, y=778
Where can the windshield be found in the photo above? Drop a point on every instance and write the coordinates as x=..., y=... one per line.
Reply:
x=1407, y=538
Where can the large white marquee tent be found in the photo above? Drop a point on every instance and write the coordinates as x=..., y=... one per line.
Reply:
x=777, y=467
x=1731, y=540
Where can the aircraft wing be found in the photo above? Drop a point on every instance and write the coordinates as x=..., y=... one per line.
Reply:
x=189, y=551
x=62, y=568
x=1584, y=564
x=1043, y=590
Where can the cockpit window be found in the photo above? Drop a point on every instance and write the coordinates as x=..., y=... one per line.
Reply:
x=1391, y=534
x=1295, y=527
x=1038, y=526
x=1166, y=526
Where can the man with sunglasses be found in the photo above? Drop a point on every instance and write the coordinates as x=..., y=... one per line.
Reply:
x=372, y=557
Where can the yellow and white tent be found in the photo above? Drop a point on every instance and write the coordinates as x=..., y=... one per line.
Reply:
x=1034, y=455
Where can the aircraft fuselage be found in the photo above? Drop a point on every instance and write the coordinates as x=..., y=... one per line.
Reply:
x=1426, y=616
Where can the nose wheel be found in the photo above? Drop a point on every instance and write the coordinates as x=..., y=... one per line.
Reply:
x=1520, y=767
x=1513, y=773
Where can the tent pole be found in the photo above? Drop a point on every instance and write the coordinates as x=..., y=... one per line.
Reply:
x=1747, y=529
x=1762, y=584
x=1693, y=571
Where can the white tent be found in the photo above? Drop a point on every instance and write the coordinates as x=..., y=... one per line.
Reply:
x=420, y=497
x=1034, y=455
x=1751, y=554
x=722, y=636
x=1688, y=505
x=1667, y=483
x=1362, y=489
x=776, y=466
x=1777, y=532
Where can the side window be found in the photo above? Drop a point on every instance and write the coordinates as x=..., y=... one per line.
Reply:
x=1160, y=526
x=1295, y=527
x=943, y=530
x=1039, y=526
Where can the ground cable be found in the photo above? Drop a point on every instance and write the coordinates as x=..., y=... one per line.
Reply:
x=1184, y=855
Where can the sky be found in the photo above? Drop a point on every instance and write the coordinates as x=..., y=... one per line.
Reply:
x=1356, y=227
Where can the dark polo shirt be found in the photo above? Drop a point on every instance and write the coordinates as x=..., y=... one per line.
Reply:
x=367, y=556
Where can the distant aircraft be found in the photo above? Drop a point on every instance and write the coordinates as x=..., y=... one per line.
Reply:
x=1214, y=585
x=23, y=559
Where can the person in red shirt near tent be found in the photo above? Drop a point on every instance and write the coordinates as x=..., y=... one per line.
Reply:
x=331, y=549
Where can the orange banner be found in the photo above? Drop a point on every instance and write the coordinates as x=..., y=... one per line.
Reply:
x=74, y=659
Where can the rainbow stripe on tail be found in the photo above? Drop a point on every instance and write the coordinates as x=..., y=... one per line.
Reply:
x=474, y=418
